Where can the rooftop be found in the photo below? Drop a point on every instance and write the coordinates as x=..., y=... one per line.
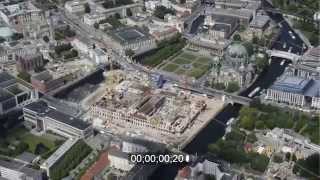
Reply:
x=21, y=167
x=42, y=108
x=128, y=35
x=259, y=21
x=296, y=85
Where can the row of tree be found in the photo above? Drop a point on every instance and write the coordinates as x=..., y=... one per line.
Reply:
x=166, y=49
x=70, y=160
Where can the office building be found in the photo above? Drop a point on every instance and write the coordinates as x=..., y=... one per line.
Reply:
x=44, y=82
x=14, y=170
x=42, y=117
x=76, y=6
x=13, y=94
x=29, y=62
x=119, y=160
x=295, y=91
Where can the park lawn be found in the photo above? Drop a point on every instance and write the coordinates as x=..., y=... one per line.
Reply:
x=16, y=133
x=180, y=71
x=182, y=61
x=197, y=73
x=200, y=66
x=204, y=60
x=187, y=56
x=33, y=140
x=170, y=67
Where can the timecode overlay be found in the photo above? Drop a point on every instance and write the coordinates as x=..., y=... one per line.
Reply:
x=158, y=158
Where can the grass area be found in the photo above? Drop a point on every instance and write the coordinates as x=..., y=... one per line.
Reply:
x=204, y=60
x=187, y=56
x=181, y=71
x=182, y=61
x=197, y=73
x=199, y=65
x=170, y=67
x=23, y=135
x=33, y=140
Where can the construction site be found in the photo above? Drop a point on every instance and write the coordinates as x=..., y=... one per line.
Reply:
x=134, y=102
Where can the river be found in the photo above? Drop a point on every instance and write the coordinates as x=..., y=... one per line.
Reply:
x=216, y=129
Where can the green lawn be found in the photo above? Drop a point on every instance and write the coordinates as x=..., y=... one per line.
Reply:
x=182, y=61
x=200, y=64
x=180, y=71
x=204, y=60
x=188, y=56
x=196, y=72
x=33, y=140
x=23, y=135
x=170, y=67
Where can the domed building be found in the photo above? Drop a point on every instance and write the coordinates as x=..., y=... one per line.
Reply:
x=236, y=56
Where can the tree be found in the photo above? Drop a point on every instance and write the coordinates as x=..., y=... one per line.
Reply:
x=17, y=36
x=161, y=11
x=232, y=87
x=237, y=37
x=129, y=52
x=46, y=39
x=87, y=8
x=2, y=40
x=258, y=162
x=308, y=167
x=261, y=62
x=25, y=76
x=242, y=28
x=40, y=149
x=96, y=25
x=247, y=123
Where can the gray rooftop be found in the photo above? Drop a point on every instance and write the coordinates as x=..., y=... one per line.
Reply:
x=298, y=85
x=117, y=153
x=20, y=167
x=42, y=108
x=5, y=95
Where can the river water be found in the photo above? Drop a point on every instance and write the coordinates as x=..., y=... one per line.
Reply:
x=216, y=128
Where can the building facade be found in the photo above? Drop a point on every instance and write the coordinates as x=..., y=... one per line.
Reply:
x=42, y=117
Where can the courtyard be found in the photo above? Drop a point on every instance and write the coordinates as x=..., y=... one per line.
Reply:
x=189, y=64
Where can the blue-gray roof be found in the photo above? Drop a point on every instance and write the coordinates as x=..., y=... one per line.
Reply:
x=291, y=84
x=297, y=85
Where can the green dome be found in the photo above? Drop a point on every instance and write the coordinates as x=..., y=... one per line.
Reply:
x=237, y=51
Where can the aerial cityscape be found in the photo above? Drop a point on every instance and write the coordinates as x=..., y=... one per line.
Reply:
x=159, y=89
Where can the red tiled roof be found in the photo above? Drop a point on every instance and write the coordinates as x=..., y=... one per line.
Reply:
x=97, y=167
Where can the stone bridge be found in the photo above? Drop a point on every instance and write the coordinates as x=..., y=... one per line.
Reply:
x=283, y=54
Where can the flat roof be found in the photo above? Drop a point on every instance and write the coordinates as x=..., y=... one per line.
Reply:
x=291, y=84
x=42, y=107
x=5, y=95
x=4, y=76
x=21, y=167
x=128, y=35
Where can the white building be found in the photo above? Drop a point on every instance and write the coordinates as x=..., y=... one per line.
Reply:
x=152, y=5
x=76, y=6
x=81, y=45
x=91, y=19
x=295, y=91
x=14, y=170
x=42, y=117
x=286, y=140
x=119, y=160
x=98, y=56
